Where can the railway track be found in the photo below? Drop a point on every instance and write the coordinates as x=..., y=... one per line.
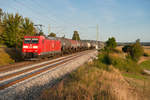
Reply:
x=17, y=65
x=12, y=77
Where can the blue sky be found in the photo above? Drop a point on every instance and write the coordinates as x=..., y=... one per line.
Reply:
x=126, y=20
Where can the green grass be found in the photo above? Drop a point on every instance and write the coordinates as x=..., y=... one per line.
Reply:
x=145, y=65
x=135, y=76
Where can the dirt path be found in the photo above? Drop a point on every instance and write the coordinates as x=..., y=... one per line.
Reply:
x=147, y=71
x=142, y=59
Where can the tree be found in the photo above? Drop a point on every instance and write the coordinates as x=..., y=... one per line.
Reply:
x=76, y=36
x=28, y=27
x=15, y=28
x=136, y=50
x=12, y=25
x=52, y=35
x=1, y=14
x=1, y=26
x=111, y=44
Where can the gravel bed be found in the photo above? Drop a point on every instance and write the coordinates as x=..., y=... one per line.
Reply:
x=30, y=89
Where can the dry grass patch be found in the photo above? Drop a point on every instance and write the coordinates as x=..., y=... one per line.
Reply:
x=147, y=49
x=92, y=83
x=119, y=48
x=141, y=85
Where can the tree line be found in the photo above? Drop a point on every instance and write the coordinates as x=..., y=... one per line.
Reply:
x=13, y=27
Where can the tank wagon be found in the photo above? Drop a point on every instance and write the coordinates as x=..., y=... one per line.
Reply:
x=41, y=46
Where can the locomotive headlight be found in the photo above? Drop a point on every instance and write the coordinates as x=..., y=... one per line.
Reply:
x=35, y=47
x=25, y=46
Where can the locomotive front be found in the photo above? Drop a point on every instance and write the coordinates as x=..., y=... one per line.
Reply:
x=31, y=46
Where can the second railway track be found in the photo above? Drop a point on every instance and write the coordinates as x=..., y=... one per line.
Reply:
x=10, y=78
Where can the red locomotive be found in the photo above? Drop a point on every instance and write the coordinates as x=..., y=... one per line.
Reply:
x=41, y=46
x=38, y=46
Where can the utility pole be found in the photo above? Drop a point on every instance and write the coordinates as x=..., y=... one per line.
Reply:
x=97, y=32
x=97, y=36
x=49, y=29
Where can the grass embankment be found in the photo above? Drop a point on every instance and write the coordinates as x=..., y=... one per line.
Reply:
x=112, y=76
x=90, y=82
x=83, y=84
x=9, y=55
x=100, y=80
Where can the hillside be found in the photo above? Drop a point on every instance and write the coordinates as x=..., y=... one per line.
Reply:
x=98, y=81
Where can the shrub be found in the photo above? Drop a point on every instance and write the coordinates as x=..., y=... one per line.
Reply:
x=126, y=48
x=105, y=58
x=110, y=44
x=136, y=51
x=127, y=65
x=145, y=54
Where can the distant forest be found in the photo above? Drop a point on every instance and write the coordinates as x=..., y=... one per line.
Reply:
x=128, y=43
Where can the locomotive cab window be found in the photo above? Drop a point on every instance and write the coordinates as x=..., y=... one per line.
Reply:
x=27, y=40
x=35, y=40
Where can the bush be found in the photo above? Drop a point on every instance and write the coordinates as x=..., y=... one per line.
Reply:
x=105, y=58
x=126, y=65
x=146, y=54
x=135, y=51
x=126, y=48
x=110, y=44
x=101, y=65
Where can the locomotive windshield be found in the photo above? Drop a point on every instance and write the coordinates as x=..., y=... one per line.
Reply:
x=34, y=40
x=31, y=40
x=27, y=40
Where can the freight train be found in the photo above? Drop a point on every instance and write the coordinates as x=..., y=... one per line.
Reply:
x=42, y=46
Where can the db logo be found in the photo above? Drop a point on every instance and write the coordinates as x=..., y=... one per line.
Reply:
x=30, y=46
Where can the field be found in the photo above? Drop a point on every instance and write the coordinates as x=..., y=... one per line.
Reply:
x=147, y=49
